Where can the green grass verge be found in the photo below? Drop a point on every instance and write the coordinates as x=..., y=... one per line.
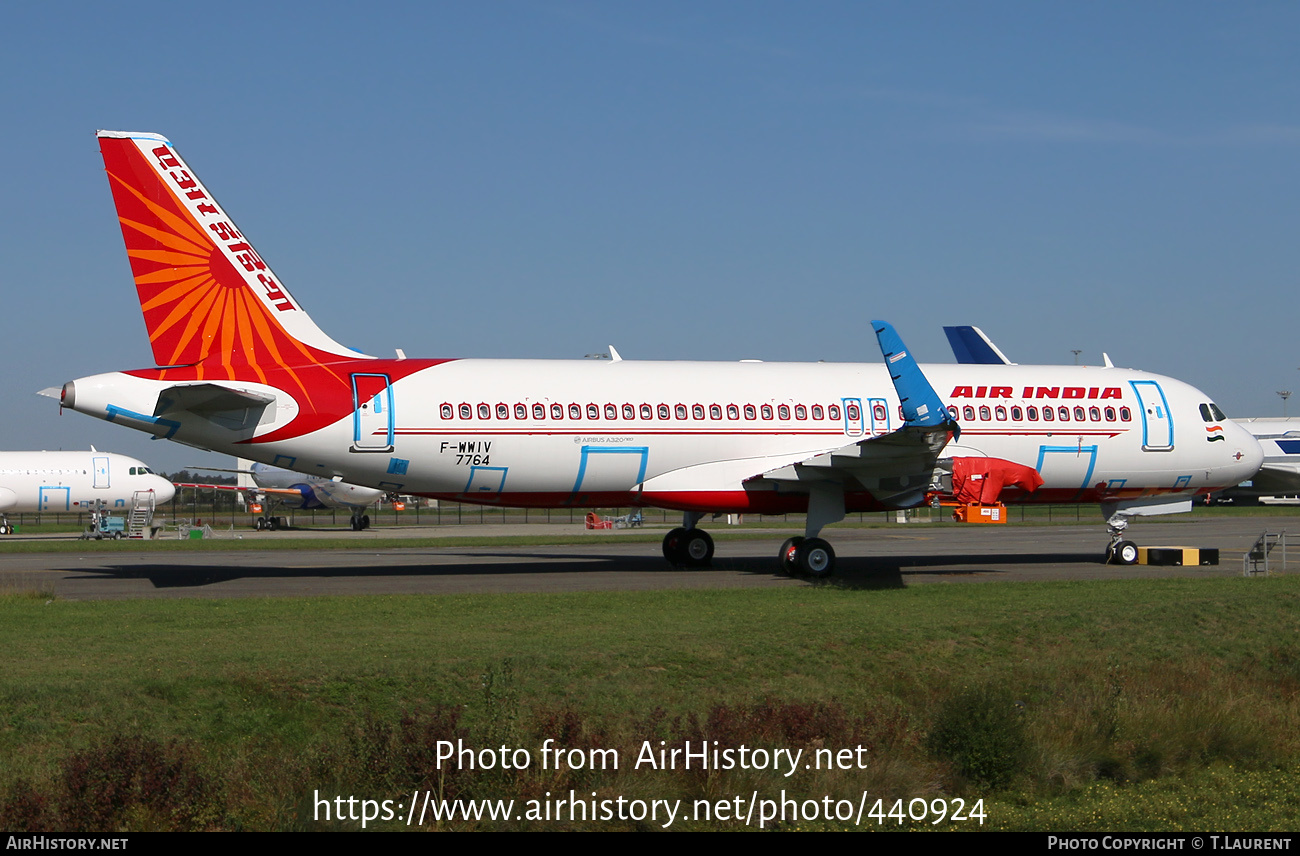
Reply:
x=1126, y=698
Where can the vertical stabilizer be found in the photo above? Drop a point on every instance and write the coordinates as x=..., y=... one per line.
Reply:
x=205, y=292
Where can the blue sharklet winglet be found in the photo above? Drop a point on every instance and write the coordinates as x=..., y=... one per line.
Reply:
x=922, y=406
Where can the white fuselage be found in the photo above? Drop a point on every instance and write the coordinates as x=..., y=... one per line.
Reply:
x=695, y=436
x=315, y=491
x=75, y=482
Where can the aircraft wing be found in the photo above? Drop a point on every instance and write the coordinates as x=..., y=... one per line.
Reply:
x=278, y=491
x=1277, y=479
x=284, y=492
x=896, y=467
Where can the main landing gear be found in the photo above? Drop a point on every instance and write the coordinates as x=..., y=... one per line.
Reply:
x=359, y=521
x=806, y=555
x=811, y=557
x=687, y=545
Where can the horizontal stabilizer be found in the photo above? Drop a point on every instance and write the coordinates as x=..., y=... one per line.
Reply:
x=971, y=347
x=203, y=398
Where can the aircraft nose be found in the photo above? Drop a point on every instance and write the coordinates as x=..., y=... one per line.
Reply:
x=1247, y=454
x=163, y=491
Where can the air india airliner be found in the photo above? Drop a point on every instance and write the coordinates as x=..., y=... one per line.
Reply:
x=241, y=368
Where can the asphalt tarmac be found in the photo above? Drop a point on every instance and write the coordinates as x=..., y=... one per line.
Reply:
x=899, y=555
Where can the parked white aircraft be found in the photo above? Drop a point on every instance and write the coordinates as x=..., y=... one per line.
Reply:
x=243, y=369
x=74, y=482
x=1279, y=475
x=263, y=482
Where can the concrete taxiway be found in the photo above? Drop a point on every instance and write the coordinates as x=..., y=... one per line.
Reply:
x=603, y=561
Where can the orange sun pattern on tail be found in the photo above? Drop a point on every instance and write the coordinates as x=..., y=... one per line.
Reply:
x=207, y=320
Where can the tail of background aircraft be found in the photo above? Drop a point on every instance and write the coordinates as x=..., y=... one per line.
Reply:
x=208, y=298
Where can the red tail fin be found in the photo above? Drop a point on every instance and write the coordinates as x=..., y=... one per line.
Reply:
x=205, y=292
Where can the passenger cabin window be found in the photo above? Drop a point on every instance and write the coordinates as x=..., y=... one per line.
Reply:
x=446, y=411
x=1094, y=413
x=984, y=413
x=1064, y=413
x=539, y=411
x=611, y=412
x=680, y=411
x=663, y=411
x=1078, y=415
x=1017, y=414
x=557, y=411
x=854, y=413
x=484, y=412
x=697, y=411
x=503, y=411
x=1048, y=414
x=521, y=411
x=766, y=410
x=466, y=412
x=800, y=412
x=783, y=412
x=1110, y=414
x=1032, y=413
x=1125, y=415
x=833, y=412
x=575, y=411
x=952, y=410
x=733, y=412
x=647, y=412
x=629, y=412
x=817, y=411
x=715, y=411
x=750, y=412
x=1000, y=413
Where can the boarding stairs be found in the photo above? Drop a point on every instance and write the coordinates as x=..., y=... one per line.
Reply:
x=1260, y=558
x=140, y=521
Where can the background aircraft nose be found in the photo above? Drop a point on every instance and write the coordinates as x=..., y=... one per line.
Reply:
x=163, y=490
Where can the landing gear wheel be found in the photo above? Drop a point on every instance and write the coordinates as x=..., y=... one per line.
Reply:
x=354, y=524
x=272, y=523
x=365, y=521
x=4, y=530
x=697, y=548
x=1124, y=553
x=674, y=545
x=259, y=524
x=788, y=558
x=815, y=558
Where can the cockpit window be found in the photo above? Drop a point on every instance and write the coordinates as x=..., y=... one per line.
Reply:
x=1205, y=413
x=1218, y=414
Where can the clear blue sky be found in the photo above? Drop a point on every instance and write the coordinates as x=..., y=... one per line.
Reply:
x=702, y=180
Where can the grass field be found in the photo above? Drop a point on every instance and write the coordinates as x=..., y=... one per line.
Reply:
x=1130, y=705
